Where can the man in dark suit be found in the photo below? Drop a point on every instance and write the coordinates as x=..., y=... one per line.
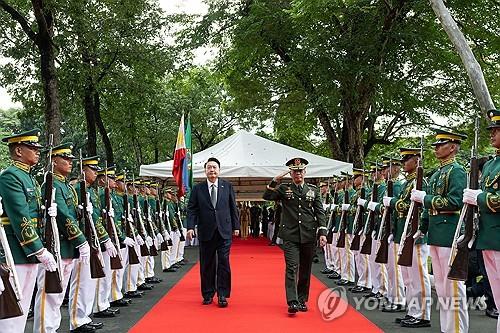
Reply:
x=212, y=207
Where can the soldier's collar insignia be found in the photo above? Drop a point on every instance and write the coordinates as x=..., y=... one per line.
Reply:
x=59, y=177
x=411, y=176
x=22, y=166
x=447, y=162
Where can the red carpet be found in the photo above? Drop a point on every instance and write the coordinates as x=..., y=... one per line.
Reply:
x=257, y=302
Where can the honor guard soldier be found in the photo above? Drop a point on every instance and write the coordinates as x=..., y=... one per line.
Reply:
x=442, y=203
x=416, y=277
x=362, y=261
x=102, y=305
x=337, y=197
x=21, y=213
x=73, y=244
x=326, y=200
x=82, y=290
x=117, y=194
x=303, y=219
x=348, y=268
x=488, y=200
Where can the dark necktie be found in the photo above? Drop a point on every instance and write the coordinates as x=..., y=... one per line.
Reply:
x=213, y=196
x=300, y=188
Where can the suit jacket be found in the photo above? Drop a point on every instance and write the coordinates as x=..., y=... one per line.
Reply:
x=223, y=217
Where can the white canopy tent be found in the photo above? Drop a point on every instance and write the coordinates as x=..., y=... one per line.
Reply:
x=249, y=162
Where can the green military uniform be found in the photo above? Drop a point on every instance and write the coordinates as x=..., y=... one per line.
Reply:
x=21, y=198
x=488, y=202
x=442, y=204
x=71, y=236
x=302, y=218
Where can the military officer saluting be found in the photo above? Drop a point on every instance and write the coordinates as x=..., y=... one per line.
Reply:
x=442, y=203
x=488, y=201
x=73, y=243
x=21, y=212
x=302, y=219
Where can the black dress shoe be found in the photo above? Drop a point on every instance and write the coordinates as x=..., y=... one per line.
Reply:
x=293, y=307
x=104, y=314
x=358, y=289
x=171, y=269
x=416, y=323
x=399, y=320
x=207, y=301
x=334, y=276
x=120, y=303
x=302, y=307
x=145, y=286
x=84, y=329
x=492, y=313
x=134, y=294
x=327, y=271
x=96, y=325
x=114, y=310
x=345, y=283
x=153, y=280
x=222, y=301
x=393, y=308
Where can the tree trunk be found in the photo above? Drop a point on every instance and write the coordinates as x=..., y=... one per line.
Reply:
x=102, y=130
x=88, y=105
x=471, y=65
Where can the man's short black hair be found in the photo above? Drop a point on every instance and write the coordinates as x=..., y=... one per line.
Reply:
x=211, y=159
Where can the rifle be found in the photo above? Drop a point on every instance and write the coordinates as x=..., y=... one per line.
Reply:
x=53, y=280
x=343, y=219
x=459, y=256
x=333, y=216
x=138, y=221
x=115, y=262
x=96, y=259
x=149, y=226
x=167, y=221
x=160, y=223
x=133, y=259
x=360, y=210
x=181, y=228
x=411, y=225
x=366, y=248
x=10, y=299
x=382, y=256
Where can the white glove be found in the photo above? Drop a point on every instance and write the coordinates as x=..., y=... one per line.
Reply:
x=129, y=242
x=84, y=250
x=334, y=206
x=166, y=235
x=390, y=239
x=361, y=202
x=111, y=212
x=325, y=206
x=2, y=287
x=417, y=196
x=139, y=240
x=130, y=218
x=139, y=210
x=52, y=211
x=419, y=234
x=372, y=205
x=387, y=201
x=90, y=208
x=1, y=207
x=470, y=196
x=374, y=233
x=460, y=238
x=47, y=260
x=345, y=207
x=159, y=238
x=110, y=248
x=149, y=241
